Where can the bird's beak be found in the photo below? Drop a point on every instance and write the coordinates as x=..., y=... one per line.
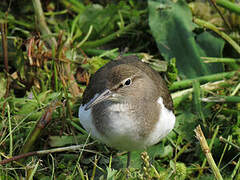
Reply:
x=98, y=98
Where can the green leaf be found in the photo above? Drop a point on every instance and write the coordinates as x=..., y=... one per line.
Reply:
x=104, y=19
x=172, y=27
x=135, y=161
x=160, y=150
x=187, y=123
x=94, y=64
x=156, y=150
x=111, y=173
x=212, y=47
x=59, y=141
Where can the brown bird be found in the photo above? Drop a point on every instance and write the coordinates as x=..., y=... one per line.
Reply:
x=127, y=105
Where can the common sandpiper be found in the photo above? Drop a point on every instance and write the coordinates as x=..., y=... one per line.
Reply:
x=127, y=105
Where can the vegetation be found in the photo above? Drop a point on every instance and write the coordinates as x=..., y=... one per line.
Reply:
x=48, y=51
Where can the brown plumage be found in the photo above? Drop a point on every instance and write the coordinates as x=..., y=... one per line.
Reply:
x=103, y=75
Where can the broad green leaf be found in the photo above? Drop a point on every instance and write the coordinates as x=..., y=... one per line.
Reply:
x=172, y=27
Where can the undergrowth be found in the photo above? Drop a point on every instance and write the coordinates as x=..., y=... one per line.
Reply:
x=47, y=60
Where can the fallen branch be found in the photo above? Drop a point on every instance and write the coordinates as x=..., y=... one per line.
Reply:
x=56, y=150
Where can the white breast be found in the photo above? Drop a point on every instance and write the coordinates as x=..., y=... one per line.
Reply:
x=123, y=133
x=164, y=125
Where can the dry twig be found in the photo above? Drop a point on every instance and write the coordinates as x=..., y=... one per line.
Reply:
x=207, y=152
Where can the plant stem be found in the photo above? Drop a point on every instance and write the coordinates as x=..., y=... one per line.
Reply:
x=236, y=169
x=41, y=23
x=180, y=96
x=40, y=125
x=224, y=99
x=224, y=150
x=233, y=7
x=99, y=42
x=197, y=94
x=232, y=63
x=207, y=152
x=219, y=60
x=75, y=6
x=203, y=79
x=5, y=59
x=210, y=147
x=208, y=25
x=4, y=45
x=228, y=142
x=213, y=2
x=56, y=150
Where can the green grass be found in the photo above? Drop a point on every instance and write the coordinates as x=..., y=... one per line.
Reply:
x=44, y=69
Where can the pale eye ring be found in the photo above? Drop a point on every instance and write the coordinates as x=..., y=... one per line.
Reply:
x=128, y=82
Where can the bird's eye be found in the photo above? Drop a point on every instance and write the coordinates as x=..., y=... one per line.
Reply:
x=128, y=82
